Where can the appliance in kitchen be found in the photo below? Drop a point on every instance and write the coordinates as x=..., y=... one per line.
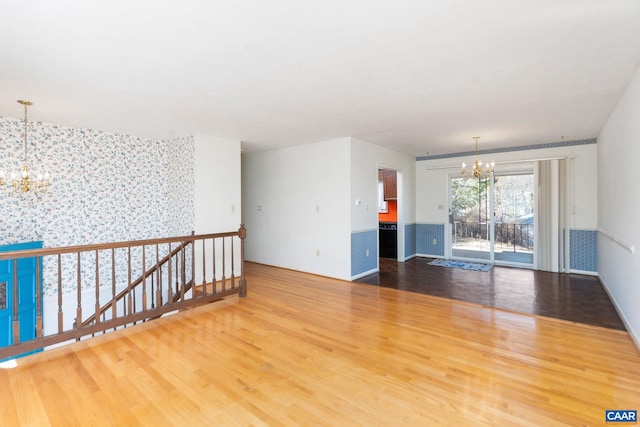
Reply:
x=388, y=239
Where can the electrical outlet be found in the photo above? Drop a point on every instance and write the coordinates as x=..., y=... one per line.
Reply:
x=317, y=252
x=366, y=253
x=435, y=242
x=317, y=208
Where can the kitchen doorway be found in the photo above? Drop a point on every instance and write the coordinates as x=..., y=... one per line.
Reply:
x=390, y=233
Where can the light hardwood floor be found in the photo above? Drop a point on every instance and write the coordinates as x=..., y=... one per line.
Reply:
x=307, y=350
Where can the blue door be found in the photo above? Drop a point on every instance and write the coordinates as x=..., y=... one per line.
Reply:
x=27, y=287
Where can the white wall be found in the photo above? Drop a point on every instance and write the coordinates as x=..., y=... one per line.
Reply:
x=432, y=185
x=217, y=199
x=296, y=207
x=217, y=184
x=619, y=206
x=366, y=158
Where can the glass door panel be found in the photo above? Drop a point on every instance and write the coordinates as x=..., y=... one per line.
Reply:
x=470, y=218
x=514, y=218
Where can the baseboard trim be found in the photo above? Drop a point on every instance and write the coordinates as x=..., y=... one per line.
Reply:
x=635, y=338
x=588, y=273
x=431, y=256
x=366, y=273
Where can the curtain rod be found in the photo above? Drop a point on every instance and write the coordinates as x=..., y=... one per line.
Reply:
x=505, y=162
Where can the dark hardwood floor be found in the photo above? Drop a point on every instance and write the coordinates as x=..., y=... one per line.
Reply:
x=572, y=297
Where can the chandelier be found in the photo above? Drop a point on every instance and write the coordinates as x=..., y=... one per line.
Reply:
x=25, y=182
x=478, y=172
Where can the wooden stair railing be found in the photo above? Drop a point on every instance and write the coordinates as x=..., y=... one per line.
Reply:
x=126, y=291
x=76, y=277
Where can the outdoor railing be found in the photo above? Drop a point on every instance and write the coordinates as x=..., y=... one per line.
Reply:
x=517, y=236
x=95, y=288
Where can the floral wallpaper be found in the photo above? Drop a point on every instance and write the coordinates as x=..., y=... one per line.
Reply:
x=106, y=187
x=181, y=186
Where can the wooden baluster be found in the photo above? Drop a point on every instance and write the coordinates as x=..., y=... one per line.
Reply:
x=213, y=257
x=60, y=313
x=124, y=308
x=152, y=293
x=144, y=279
x=204, y=269
x=224, y=255
x=178, y=256
x=183, y=275
x=243, y=280
x=97, y=315
x=39, y=331
x=114, y=306
x=129, y=296
x=79, y=296
x=169, y=278
x=158, y=279
x=233, y=276
x=193, y=268
x=16, y=318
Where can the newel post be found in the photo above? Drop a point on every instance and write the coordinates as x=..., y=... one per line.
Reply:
x=242, y=233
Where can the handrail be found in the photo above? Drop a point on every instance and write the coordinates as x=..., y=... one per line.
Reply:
x=79, y=274
x=611, y=237
x=30, y=253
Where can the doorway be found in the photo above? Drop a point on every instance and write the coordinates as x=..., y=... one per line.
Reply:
x=492, y=218
x=389, y=214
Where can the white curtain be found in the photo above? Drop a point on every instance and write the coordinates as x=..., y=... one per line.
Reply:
x=551, y=214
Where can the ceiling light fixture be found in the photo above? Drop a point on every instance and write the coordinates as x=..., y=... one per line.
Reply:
x=477, y=166
x=26, y=183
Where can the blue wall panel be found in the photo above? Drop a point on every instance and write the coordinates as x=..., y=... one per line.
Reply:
x=425, y=235
x=409, y=240
x=362, y=241
x=584, y=250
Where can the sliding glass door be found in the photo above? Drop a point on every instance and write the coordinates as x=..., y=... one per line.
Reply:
x=470, y=219
x=492, y=219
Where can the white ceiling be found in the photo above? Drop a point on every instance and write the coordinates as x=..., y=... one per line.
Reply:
x=419, y=76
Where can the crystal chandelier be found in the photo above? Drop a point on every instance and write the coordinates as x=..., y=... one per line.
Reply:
x=25, y=182
x=478, y=172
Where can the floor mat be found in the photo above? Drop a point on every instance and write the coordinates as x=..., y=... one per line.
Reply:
x=461, y=264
